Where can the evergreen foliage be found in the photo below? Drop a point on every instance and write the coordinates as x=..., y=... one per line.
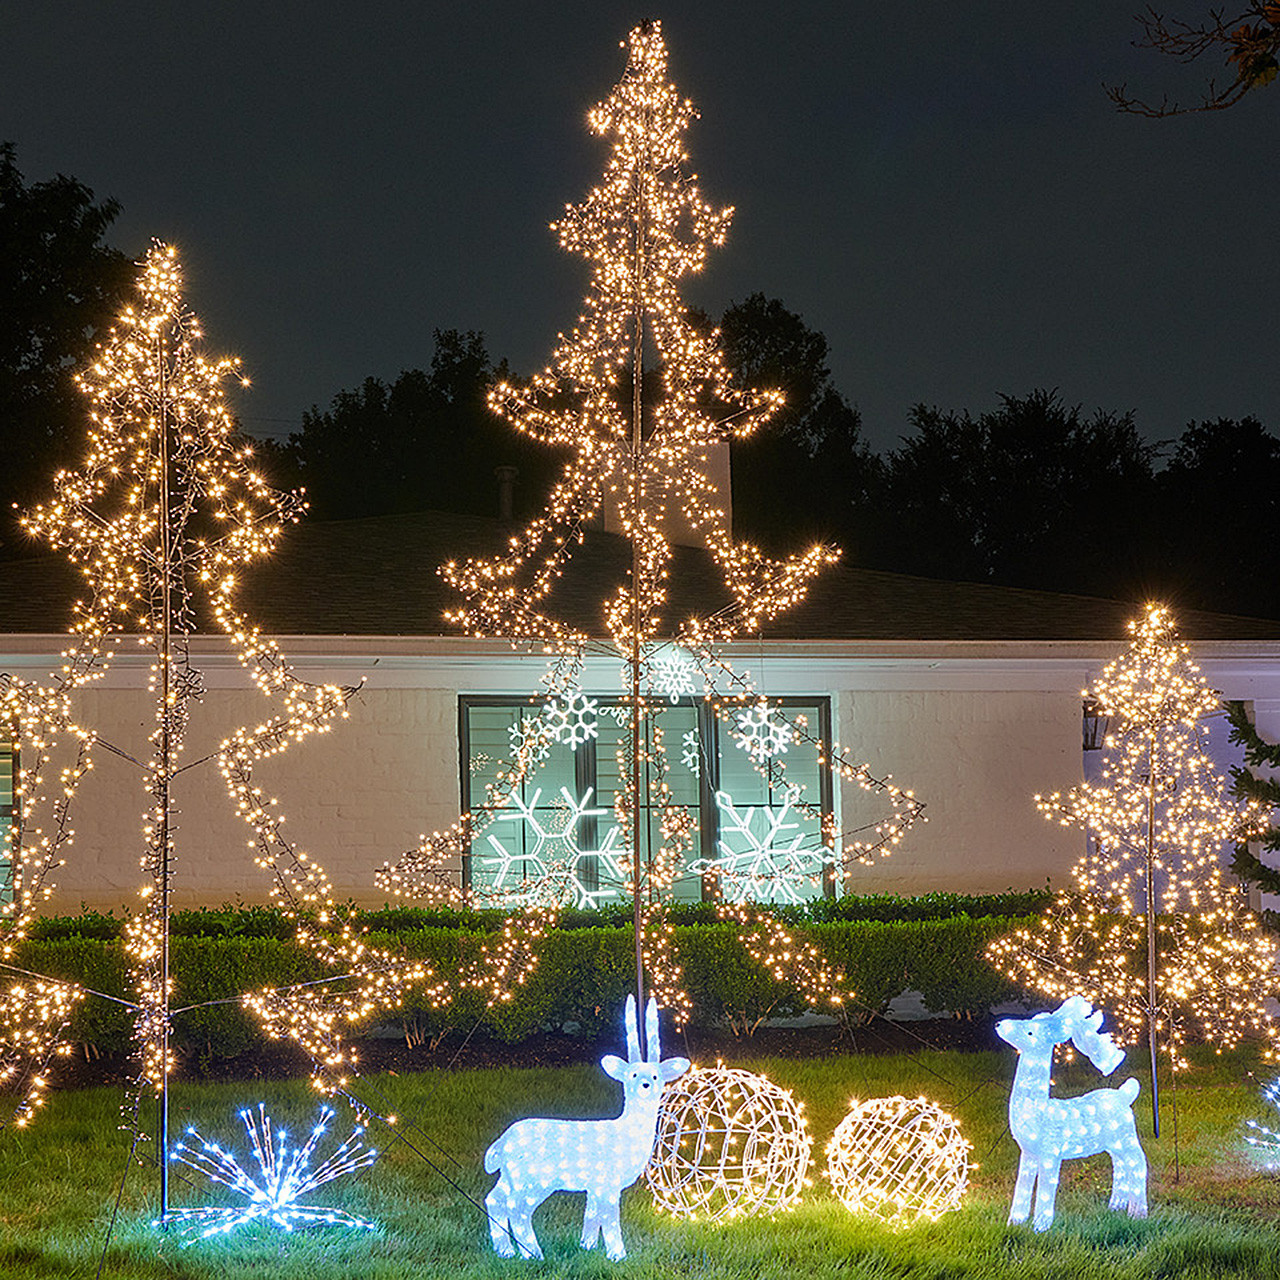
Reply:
x=1265, y=792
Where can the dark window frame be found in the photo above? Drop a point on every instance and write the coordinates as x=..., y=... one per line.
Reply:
x=712, y=732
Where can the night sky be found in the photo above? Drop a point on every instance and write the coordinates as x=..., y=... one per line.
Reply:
x=942, y=188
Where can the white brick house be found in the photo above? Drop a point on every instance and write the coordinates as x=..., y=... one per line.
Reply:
x=970, y=695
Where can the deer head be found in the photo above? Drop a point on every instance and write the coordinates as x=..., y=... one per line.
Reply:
x=642, y=1079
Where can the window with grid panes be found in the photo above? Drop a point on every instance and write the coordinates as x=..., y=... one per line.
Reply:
x=573, y=789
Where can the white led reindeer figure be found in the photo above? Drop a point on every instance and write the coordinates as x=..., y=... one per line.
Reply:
x=1051, y=1130
x=533, y=1158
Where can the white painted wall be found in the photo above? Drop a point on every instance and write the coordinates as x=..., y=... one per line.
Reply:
x=976, y=758
x=974, y=729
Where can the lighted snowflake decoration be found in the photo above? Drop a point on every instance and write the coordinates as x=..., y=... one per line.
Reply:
x=760, y=734
x=531, y=739
x=673, y=673
x=283, y=1177
x=550, y=867
x=620, y=712
x=690, y=752
x=761, y=855
x=572, y=720
x=1266, y=1140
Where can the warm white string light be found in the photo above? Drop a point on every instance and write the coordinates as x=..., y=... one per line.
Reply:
x=1149, y=928
x=731, y=1144
x=898, y=1159
x=641, y=444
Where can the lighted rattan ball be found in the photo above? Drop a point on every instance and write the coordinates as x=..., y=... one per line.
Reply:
x=730, y=1144
x=900, y=1159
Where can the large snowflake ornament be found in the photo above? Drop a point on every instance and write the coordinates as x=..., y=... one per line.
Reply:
x=762, y=858
x=572, y=720
x=761, y=733
x=283, y=1177
x=551, y=868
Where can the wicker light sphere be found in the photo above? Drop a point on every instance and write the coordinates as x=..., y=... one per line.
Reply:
x=730, y=1144
x=900, y=1159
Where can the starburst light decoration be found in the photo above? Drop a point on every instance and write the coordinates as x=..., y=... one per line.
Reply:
x=1149, y=927
x=1263, y=1139
x=731, y=1144
x=272, y=1192
x=640, y=441
x=898, y=1159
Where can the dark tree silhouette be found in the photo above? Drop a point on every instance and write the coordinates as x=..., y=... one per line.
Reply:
x=1031, y=494
x=1217, y=496
x=807, y=472
x=59, y=284
x=428, y=440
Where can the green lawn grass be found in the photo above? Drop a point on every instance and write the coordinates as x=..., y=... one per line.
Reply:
x=58, y=1181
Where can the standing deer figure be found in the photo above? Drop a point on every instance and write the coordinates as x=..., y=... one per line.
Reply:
x=1051, y=1130
x=533, y=1158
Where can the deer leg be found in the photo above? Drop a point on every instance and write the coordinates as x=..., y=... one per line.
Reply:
x=497, y=1206
x=1020, y=1210
x=522, y=1229
x=591, y=1223
x=1046, y=1192
x=1129, y=1178
x=612, y=1228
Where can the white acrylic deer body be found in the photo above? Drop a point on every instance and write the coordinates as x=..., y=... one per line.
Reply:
x=1051, y=1130
x=533, y=1158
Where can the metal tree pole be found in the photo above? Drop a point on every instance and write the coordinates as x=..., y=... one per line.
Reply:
x=1151, y=929
x=637, y=501
x=166, y=641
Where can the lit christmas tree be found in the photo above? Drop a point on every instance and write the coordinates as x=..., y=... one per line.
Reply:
x=641, y=397
x=163, y=513
x=1150, y=930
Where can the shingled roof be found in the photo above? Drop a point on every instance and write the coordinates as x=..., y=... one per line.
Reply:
x=378, y=576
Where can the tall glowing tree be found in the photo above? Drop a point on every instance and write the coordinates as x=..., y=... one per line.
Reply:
x=641, y=396
x=1150, y=929
x=164, y=511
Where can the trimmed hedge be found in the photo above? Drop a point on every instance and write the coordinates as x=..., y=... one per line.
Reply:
x=583, y=977
x=270, y=922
